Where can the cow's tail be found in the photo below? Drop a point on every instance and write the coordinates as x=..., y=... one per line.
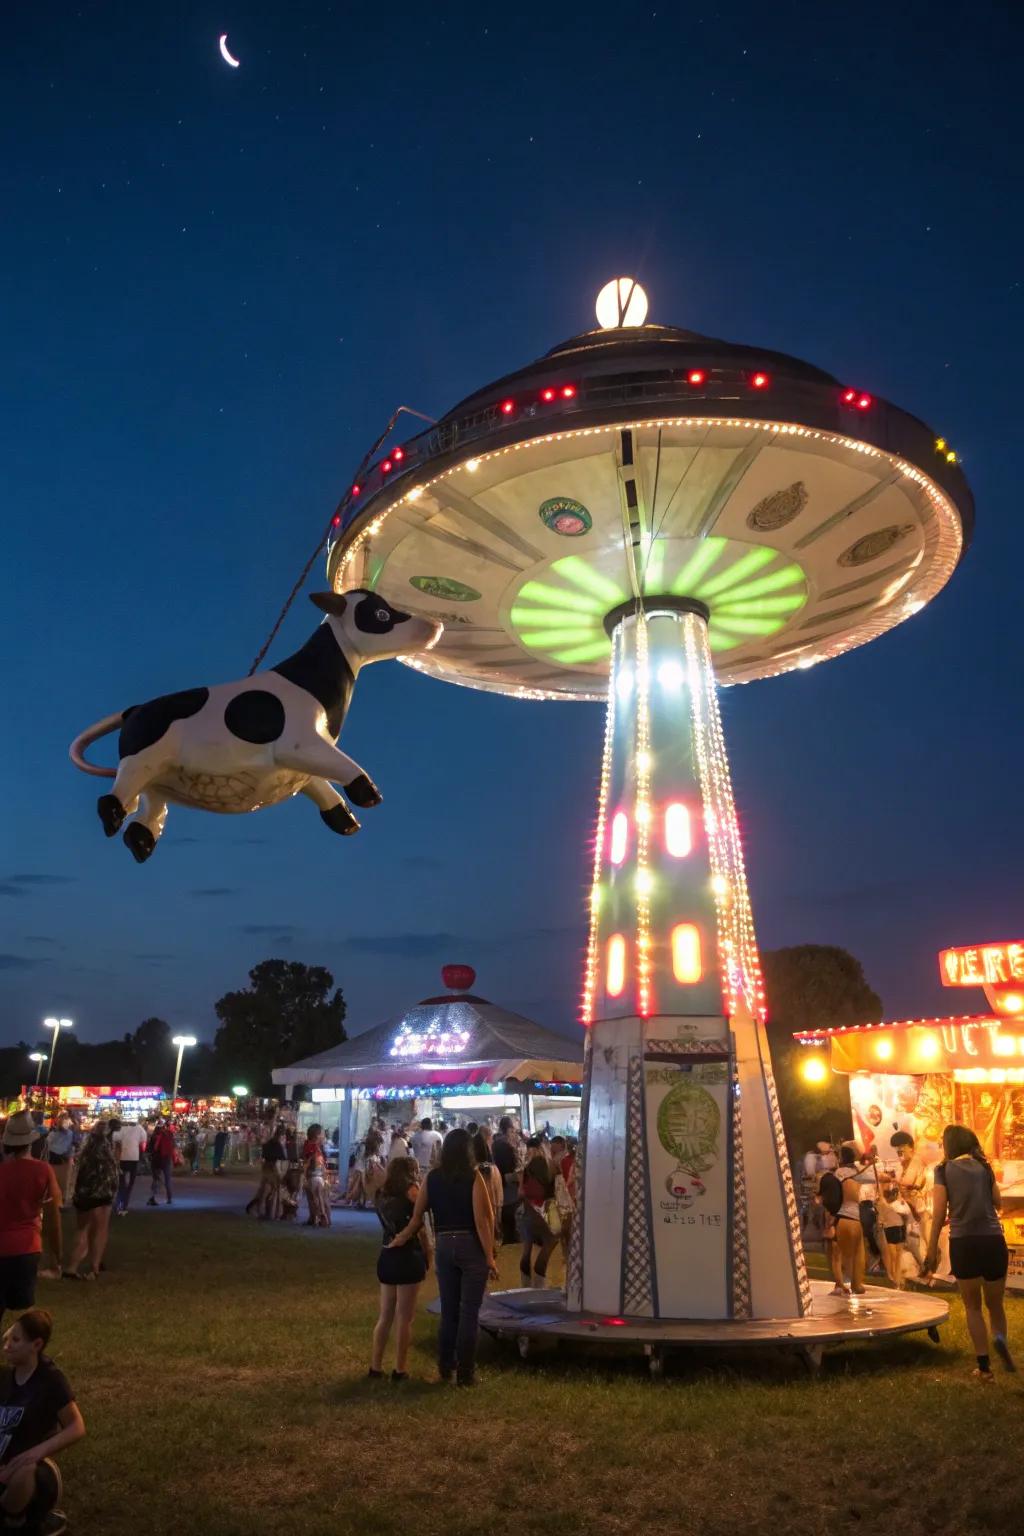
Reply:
x=76, y=751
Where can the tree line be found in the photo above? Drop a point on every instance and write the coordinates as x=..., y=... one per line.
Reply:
x=288, y=1011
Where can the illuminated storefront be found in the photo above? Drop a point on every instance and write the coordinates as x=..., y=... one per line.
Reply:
x=920, y=1075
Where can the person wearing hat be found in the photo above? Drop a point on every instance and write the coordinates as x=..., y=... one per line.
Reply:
x=29, y=1196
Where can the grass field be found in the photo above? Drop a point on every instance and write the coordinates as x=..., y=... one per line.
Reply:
x=220, y=1365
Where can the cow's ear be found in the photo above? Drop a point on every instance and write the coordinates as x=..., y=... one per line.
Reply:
x=329, y=602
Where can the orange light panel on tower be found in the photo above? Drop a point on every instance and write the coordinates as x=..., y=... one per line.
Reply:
x=678, y=837
x=686, y=957
x=619, y=838
x=615, y=978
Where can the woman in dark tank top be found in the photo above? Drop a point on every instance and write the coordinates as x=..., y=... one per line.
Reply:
x=463, y=1219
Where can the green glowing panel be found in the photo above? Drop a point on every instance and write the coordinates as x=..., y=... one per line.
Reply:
x=751, y=590
x=574, y=569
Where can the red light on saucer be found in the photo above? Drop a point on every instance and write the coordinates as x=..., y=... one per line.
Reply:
x=398, y=455
x=335, y=521
x=507, y=407
x=696, y=376
x=568, y=391
x=849, y=396
x=614, y=1322
x=863, y=402
x=759, y=381
x=356, y=489
x=547, y=395
x=385, y=468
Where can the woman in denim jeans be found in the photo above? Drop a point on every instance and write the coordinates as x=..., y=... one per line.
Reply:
x=457, y=1198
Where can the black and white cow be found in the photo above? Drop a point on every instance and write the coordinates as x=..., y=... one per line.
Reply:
x=240, y=746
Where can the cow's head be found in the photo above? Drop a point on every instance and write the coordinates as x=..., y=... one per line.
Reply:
x=368, y=628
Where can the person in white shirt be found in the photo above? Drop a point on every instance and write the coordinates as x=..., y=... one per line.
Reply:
x=129, y=1145
x=426, y=1146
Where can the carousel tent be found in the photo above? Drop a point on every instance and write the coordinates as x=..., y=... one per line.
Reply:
x=450, y=1040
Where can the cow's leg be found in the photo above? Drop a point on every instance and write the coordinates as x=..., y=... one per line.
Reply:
x=133, y=774
x=142, y=835
x=322, y=761
x=332, y=807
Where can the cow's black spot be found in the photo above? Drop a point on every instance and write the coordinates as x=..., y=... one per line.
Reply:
x=144, y=724
x=255, y=716
x=320, y=667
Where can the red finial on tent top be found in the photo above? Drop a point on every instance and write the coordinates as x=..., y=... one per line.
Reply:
x=458, y=978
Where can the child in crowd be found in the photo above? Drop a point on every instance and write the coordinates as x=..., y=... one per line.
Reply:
x=38, y=1417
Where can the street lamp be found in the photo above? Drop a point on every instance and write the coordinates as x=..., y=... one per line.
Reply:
x=38, y=1057
x=56, y=1025
x=181, y=1041
x=240, y=1091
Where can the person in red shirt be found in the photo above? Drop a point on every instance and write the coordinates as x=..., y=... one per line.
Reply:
x=29, y=1195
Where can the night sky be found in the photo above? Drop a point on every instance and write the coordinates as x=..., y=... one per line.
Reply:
x=216, y=285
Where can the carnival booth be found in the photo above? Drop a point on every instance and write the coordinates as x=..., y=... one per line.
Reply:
x=456, y=1057
x=920, y=1075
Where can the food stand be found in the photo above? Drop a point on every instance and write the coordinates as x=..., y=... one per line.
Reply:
x=131, y=1101
x=455, y=1056
x=920, y=1075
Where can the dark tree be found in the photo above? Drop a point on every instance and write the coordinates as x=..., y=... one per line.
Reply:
x=287, y=1012
x=813, y=986
x=153, y=1052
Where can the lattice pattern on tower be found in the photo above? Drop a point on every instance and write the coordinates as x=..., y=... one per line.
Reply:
x=742, y=1304
x=637, y=1278
x=574, y=1265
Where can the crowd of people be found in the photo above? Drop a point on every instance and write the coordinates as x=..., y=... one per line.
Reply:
x=896, y=1220
x=451, y=1198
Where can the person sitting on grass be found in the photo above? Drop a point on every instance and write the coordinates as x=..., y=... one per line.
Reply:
x=29, y=1201
x=38, y=1418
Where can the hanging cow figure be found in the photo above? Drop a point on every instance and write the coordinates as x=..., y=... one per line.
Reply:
x=240, y=746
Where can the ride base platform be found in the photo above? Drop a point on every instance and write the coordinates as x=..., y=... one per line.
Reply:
x=534, y=1319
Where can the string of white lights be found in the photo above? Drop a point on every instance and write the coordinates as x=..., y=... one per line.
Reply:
x=593, y=960
x=642, y=757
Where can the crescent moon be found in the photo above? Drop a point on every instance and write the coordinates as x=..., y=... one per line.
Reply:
x=225, y=55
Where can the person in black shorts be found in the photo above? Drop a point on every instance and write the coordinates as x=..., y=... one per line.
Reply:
x=38, y=1418
x=966, y=1189
x=400, y=1271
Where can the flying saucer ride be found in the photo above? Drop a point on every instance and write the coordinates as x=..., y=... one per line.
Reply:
x=639, y=515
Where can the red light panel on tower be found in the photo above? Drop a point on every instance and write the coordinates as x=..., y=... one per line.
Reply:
x=759, y=381
x=547, y=395
x=507, y=407
x=687, y=966
x=398, y=455
x=863, y=402
x=568, y=391
x=356, y=489
x=385, y=468
x=615, y=975
x=696, y=376
x=335, y=521
x=849, y=396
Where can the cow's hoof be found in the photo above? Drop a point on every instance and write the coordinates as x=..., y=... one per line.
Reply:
x=363, y=792
x=139, y=841
x=111, y=812
x=340, y=819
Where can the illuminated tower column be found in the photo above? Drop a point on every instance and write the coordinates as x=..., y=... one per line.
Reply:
x=686, y=1202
